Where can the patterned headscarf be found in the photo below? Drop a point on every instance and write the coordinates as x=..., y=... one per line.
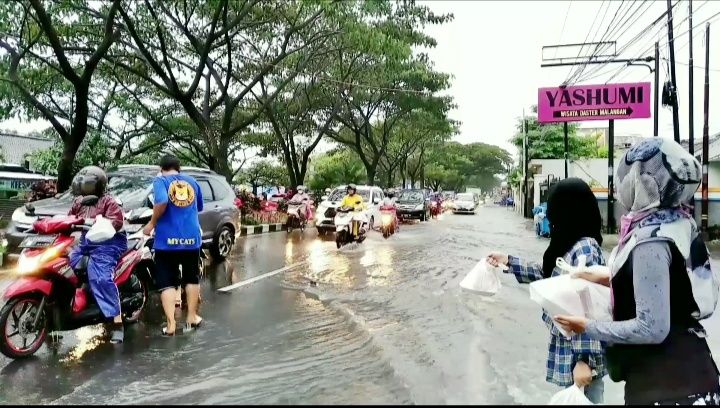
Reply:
x=656, y=180
x=657, y=173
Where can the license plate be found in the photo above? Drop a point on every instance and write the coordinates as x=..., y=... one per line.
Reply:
x=37, y=241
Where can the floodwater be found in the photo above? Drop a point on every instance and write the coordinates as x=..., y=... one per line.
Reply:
x=384, y=322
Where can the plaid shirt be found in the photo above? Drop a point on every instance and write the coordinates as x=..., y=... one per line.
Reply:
x=564, y=353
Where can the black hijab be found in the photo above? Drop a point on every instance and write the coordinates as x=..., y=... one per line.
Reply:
x=573, y=214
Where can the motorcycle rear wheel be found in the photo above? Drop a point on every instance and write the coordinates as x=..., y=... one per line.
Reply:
x=13, y=325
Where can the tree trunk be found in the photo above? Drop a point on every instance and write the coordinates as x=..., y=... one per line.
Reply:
x=65, y=167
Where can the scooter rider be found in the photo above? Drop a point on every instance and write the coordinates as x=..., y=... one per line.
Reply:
x=302, y=197
x=92, y=200
x=355, y=201
x=352, y=199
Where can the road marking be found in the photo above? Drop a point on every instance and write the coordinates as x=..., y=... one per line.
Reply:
x=260, y=277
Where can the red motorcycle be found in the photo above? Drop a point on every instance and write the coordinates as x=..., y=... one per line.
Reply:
x=435, y=207
x=50, y=296
x=390, y=221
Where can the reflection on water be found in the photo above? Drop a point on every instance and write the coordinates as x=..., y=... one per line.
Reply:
x=289, y=251
x=89, y=338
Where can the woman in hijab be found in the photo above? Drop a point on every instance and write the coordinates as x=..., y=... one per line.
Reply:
x=662, y=284
x=575, y=226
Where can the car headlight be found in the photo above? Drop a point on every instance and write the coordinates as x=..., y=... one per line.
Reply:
x=419, y=207
x=19, y=217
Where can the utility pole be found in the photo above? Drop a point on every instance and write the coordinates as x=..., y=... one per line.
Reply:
x=691, y=133
x=691, y=109
x=673, y=79
x=526, y=160
x=611, y=170
x=706, y=132
x=565, y=138
x=657, y=89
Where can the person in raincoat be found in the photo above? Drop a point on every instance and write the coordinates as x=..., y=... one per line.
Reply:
x=92, y=200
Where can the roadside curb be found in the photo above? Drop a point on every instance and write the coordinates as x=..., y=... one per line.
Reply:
x=261, y=229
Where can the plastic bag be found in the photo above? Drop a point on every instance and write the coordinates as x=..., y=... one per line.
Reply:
x=564, y=295
x=101, y=230
x=482, y=279
x=572, y=395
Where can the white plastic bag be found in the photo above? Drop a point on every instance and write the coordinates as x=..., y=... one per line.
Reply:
x=564, y=295
x=482, y=279
x=572, y=395
x=101, y=230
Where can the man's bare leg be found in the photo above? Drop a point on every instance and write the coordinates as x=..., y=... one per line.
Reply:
x=192, y=294
x=167, y=297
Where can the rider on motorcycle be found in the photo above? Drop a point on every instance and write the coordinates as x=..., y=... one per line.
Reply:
x=92, y=200
x=355, y=201
x=352, y=199
x=302, y=197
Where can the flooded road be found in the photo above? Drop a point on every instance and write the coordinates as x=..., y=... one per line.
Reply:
x=380, y=323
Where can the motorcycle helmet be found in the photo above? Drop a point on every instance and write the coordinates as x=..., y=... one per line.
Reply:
x=352, y=187
x=89, y=181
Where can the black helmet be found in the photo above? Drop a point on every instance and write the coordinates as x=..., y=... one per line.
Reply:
x=352, y=187
x=90, y=180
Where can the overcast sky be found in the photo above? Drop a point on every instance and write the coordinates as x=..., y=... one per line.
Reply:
x=493, y=49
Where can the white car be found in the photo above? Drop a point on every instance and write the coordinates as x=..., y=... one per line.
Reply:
x=324, y=216
x=464, y=203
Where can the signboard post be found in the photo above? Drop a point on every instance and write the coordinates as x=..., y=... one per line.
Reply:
x=595, y=102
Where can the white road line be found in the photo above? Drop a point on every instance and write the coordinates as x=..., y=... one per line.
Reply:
x=259, y=277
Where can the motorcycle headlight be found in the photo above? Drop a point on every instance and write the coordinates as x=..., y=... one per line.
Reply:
x=29, y=264
x=387, y=219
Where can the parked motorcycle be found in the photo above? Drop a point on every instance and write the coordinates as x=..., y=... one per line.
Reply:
x=350, y=226
x=390, y=221
x=50, y=296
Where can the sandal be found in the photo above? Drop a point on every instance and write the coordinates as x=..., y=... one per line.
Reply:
x=165, y=333
x=194, y=326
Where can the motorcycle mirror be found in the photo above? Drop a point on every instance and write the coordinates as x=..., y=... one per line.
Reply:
x=29, y=209
x=119, y=201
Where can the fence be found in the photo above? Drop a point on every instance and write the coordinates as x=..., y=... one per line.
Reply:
x=8, y=206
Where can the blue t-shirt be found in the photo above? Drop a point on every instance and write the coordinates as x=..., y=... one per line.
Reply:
x=178, y=228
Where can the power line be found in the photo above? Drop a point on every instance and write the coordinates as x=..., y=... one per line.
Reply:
x=585, y=40
x=618, y=26
x=637, y=37
x=562, y=30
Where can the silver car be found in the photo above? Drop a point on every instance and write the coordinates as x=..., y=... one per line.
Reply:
x=464, y=203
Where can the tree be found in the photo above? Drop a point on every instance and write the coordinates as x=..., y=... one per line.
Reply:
x=454, y=166
x=389, y=79
x=336, y=168
x=547, y=141
x=264, y=173
x=412, y=134
x=51, y=56
x=207, y=57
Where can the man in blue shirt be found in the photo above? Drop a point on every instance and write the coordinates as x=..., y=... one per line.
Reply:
x=178, y=238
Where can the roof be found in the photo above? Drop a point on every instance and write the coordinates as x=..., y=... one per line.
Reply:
x=153, y=168
x=16, y=147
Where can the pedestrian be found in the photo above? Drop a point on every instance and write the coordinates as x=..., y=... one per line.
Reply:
x=575, y=231
x=662, y=284
x=178, y=238
x=91, y=200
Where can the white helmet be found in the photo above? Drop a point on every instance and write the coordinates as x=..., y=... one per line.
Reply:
x=301, y=189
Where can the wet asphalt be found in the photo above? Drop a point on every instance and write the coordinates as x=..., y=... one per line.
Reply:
x=384, y=322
